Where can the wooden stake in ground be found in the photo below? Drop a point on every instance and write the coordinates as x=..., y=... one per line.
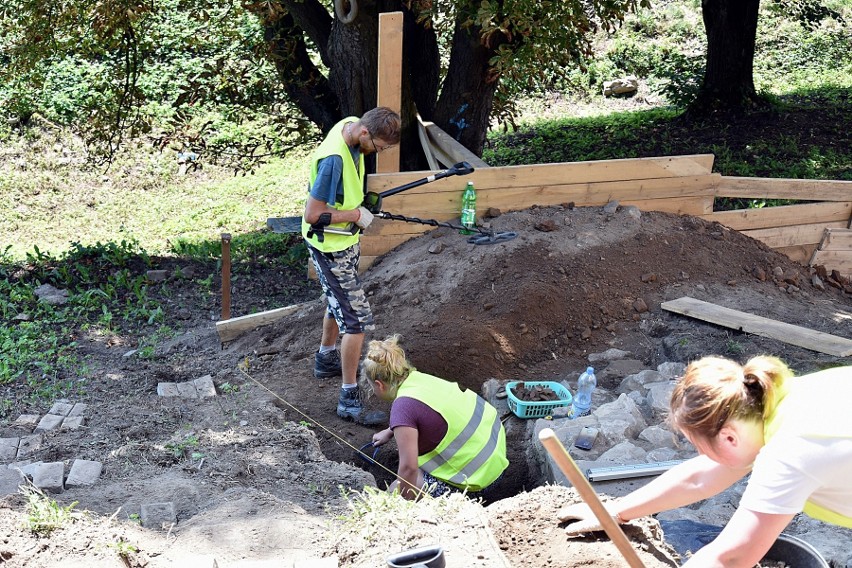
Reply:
x=560, y=455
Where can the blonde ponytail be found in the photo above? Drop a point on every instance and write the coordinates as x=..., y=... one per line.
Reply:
x=386, y=362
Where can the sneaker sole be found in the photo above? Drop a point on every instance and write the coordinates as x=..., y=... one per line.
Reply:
x=326, y=374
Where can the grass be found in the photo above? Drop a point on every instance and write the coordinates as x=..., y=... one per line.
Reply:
x=44, y=515
x=53, y=199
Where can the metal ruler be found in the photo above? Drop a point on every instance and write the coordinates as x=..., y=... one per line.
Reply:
x=627, y=471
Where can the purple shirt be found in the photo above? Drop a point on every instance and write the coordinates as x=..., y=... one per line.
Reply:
x=431, y=426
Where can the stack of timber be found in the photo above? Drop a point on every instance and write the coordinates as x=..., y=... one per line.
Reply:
x=835, y=251
x=795, y=230
x=675, y=184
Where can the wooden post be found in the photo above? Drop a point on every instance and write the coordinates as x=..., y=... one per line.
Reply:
x=226, y=276
x=390, y=79
x=560, y=455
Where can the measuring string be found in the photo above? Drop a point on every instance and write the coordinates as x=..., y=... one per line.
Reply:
x=321, y=425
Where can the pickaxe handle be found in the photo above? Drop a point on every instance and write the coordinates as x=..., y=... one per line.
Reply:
x=563, y=459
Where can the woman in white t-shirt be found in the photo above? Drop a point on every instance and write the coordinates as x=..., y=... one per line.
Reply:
x=793, y=434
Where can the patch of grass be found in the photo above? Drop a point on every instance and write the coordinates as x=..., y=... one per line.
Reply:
x=123, y=548
x=179, y=448
x=140, y=199
x=44, y=515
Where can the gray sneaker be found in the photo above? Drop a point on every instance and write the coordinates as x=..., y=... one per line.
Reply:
x=350, y=407
x=327, y=364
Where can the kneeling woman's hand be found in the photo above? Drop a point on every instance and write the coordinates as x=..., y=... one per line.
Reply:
x=383, y=437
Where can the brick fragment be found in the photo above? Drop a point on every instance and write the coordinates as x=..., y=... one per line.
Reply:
x=9, y=449
x=29, y=445
x=49, y=477
x=187, y=390
x=10, y=481
x=49, y=422
x=27, y=421
x=72, y=423
x=60, y=408
x=205, y=387
x=78, y=410
x=158, y=515
x=83, y=473
x=167, y=389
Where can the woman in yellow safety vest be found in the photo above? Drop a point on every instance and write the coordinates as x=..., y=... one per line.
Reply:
x=792, y=434
x=448, y=438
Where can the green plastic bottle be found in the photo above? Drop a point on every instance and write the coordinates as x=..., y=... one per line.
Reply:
x=468, y=212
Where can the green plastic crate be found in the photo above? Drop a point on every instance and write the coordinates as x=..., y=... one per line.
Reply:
x=526, y=409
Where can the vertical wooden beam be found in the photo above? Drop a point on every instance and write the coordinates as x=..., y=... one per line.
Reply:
x=390, y=79
x=226, y=276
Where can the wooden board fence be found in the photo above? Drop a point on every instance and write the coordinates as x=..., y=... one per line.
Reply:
x=676, y=184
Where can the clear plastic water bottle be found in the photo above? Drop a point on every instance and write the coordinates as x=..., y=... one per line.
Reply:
x=582, y=404
x=468, y=212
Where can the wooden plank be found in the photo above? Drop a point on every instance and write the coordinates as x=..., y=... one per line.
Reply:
x=380, y=243
x=451, y=147
x=837, y=239
x=778, y=188
x=749, y=323
x=427, y=147
x=696, y=206
x=800, y=253
x=234, y=327
x=839, y=260
x=784, y=215
x=377, y=246
x=447, y=204
x=552, y=174
x=777, y=237
x=389, y=93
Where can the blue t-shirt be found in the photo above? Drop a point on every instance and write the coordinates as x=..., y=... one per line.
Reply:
x=328, y=185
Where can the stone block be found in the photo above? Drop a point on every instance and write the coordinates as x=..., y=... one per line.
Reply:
x=83, y=472
x=27, y=421
x=49, y=422
x=60, y=408
x=78, y=410
x=187, y=390
x=158, y=515
x=72, y=423
x=9, y=449
x=29, y=445
x=49, y=477
x=10, y=481
x=167, y=389
x=205, y=387
x=26, y=467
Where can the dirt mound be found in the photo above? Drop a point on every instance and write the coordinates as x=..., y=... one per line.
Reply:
x=527, y=531
x=576, y=280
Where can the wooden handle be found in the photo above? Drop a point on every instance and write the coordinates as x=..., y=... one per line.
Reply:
x=560, y=455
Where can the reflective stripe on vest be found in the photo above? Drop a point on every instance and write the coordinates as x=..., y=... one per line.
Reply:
x=464, y=436
x=353, y=187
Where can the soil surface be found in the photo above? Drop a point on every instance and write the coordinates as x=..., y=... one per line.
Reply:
x=254, y=472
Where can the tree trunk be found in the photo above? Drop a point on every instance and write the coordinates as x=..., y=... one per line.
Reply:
x=467, y=96
x=731, y=27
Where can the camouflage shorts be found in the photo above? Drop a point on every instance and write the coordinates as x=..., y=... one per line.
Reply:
x=338, y=276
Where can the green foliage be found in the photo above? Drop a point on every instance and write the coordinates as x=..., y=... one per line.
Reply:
x=44, y=515
x=179, y=448
x=256, y=249
x=189, y=71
